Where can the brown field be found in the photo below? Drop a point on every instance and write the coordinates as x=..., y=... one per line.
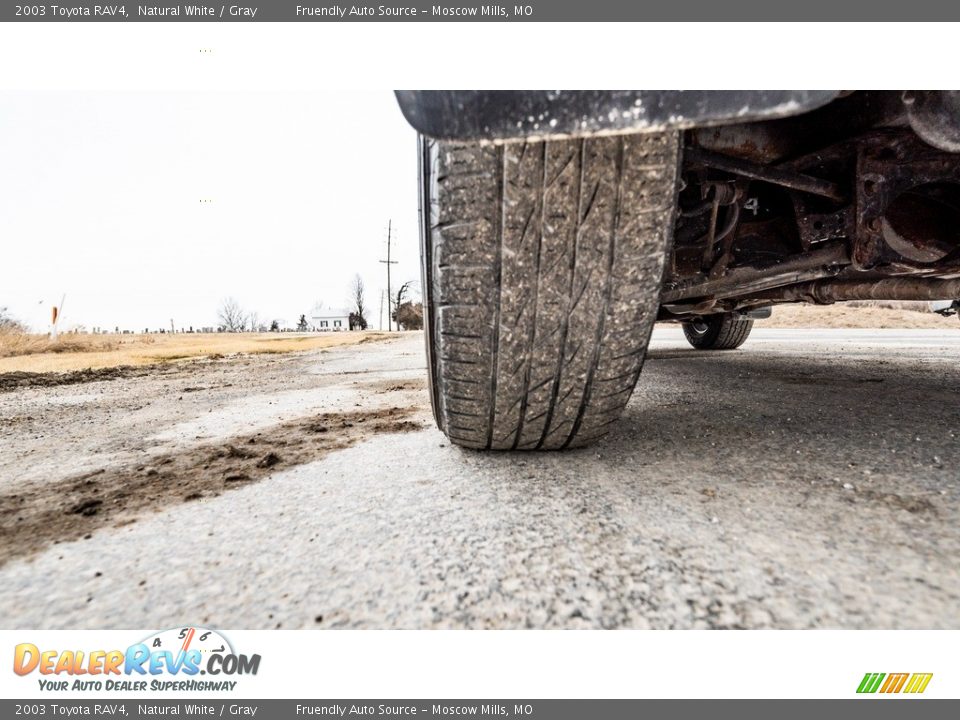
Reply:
x=35, y=353
x=78, y=351
x=879, y=315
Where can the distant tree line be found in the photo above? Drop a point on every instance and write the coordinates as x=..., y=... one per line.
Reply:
x=233, y=317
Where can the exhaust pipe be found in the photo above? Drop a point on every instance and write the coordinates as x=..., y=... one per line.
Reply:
x=826, y=292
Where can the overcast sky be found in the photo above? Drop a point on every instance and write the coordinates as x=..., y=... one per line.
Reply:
x=100, y=199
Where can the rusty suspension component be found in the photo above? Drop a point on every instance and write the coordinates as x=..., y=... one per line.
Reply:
x=819, y=263
x=771, y=174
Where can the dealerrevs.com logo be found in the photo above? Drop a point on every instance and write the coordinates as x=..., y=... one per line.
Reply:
x=912, y=683
x=169, y=660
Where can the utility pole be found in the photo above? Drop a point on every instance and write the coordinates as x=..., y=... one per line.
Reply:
x=388, y=262
x=381, y=309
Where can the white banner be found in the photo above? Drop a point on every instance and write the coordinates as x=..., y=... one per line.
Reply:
x=482, y=664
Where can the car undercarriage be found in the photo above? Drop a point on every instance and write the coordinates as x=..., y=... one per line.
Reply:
x=558, y=227
x=857, y=200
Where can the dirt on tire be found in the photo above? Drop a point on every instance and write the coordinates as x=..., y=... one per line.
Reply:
x=543, y=267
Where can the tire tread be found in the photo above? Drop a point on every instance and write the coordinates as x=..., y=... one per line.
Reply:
x=547, y=259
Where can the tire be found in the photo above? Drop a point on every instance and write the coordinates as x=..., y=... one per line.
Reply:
x=718, y=332
x=542, y=268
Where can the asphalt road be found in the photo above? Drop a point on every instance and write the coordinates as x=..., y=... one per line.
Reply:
x=809, y=479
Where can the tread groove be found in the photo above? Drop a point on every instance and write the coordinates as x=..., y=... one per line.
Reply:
x=525, y=393
x=585, y=401
x=499, y=295
x=565, y=322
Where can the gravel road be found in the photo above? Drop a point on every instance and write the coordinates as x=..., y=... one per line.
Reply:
x=809, y=479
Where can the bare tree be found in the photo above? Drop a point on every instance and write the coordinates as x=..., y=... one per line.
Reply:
x=401, y=294
x=358, y=310
x=254, y=322
x=232, y=317
x=10, y=324
x=399, y=301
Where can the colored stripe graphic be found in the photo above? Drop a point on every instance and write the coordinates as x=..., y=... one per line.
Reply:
x=894, y=682
x=870, y=682
x=918, y=682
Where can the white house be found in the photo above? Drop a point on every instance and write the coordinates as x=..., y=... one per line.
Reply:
x=330, y=319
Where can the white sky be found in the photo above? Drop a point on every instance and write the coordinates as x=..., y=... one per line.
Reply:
x=100, y=199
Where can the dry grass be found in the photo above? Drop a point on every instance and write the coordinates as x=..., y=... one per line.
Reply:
x=35, y=353
x=851, y=316
x=13, y=344
x=920, y=306
x=20, y=352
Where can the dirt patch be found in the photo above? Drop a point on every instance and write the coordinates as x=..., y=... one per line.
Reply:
x=389, y=386
x=22, y=380
x=822, y=380
x=894, y=501
x=77, y=506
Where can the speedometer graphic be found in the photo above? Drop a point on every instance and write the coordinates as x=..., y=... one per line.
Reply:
x=183, y=639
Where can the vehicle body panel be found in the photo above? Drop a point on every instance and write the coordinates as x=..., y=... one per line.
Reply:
x=504, y=115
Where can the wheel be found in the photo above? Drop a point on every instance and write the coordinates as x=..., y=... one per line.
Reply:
x=718, y=332
x=542, y=266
